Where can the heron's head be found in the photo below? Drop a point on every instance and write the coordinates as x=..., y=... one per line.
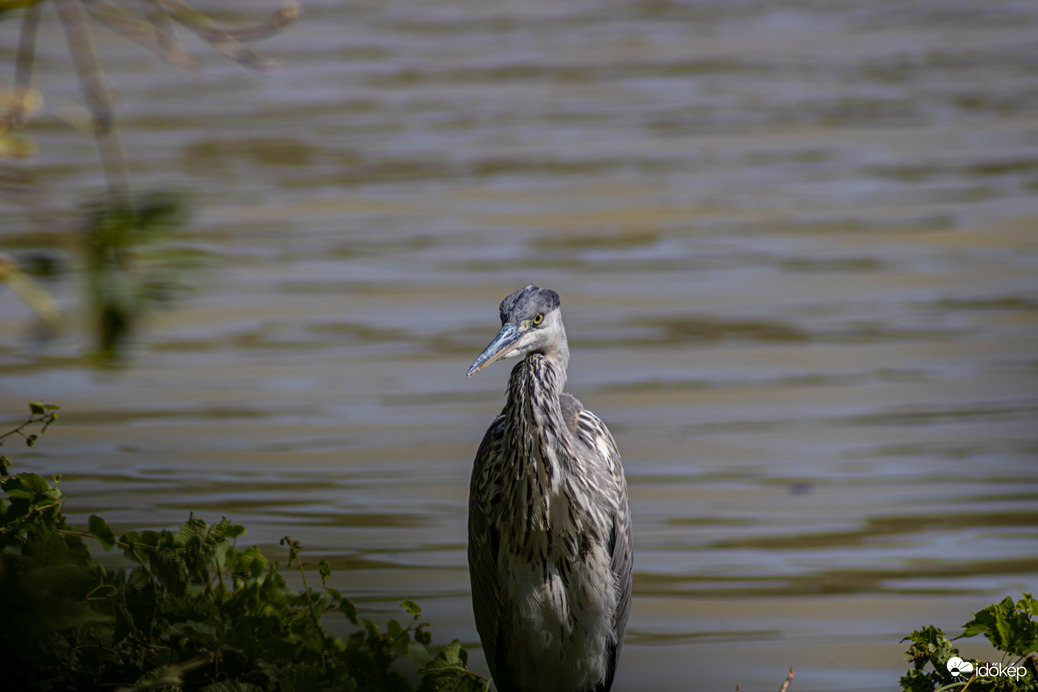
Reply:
x=531, y=322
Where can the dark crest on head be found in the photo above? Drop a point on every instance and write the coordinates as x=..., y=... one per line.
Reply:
x=527, y=302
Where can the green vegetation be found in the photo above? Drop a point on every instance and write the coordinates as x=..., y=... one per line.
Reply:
x=1012, y=630
x=124, y=278
x=189, y=611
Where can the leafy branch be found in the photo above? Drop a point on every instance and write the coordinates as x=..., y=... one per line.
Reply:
x=39, y=414
x=1009, y=626
x=190, y=610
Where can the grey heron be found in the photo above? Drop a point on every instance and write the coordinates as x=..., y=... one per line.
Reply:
x=550, y=551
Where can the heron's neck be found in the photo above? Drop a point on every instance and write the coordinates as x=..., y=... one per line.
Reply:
x=539, y=379
x=533, y=421
x=560, y=353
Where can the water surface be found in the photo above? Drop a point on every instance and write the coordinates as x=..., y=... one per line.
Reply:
x=797, y=247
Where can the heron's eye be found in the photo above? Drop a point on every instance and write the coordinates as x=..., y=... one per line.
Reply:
x=538, y=319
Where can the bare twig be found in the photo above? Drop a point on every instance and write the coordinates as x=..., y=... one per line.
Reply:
x=294, y=547
x=81, y=43
x=165, y=36
x=154, y=30
x=212, y=31
x=789, y=678
x=23, y=69
x=226, y=39
x=39, y=413
x=151, y=32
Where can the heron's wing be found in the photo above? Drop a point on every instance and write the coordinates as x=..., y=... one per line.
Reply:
x=594, y=432
x=484, y=540
x=623, y=552
x=571, y=410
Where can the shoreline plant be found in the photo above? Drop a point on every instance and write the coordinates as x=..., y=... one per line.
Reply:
x=190, y=610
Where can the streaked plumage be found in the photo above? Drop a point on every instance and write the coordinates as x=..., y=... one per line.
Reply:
x=549, y=527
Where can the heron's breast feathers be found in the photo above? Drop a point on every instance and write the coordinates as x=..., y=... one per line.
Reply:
x=549, y=543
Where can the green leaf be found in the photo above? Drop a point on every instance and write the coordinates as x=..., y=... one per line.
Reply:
x=1006, y=627
x=27, y=485
x=232, y=686
x=930, y=645
x=301, y=677
x=1028, y=603
x=447, y=671
x=102, y=532
x=418, y=653
x=37, y=408
x=344, y=604
x=325, y=568
x=917, y=681
x=411, y=607
x=398, y=636
x=188, y=532
x=233, y=530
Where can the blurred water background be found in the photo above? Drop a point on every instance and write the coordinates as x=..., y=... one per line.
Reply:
x=797, y=247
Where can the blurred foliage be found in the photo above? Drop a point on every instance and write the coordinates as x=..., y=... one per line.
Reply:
x=124, y=280
x=14, y=145
x=17, y=279
x=8, y=5
x=120, y=287
x=128, y=269
x=189, y=611
x=1012, y=630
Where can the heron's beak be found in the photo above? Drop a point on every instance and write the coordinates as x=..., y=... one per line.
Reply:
x=500, y=347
